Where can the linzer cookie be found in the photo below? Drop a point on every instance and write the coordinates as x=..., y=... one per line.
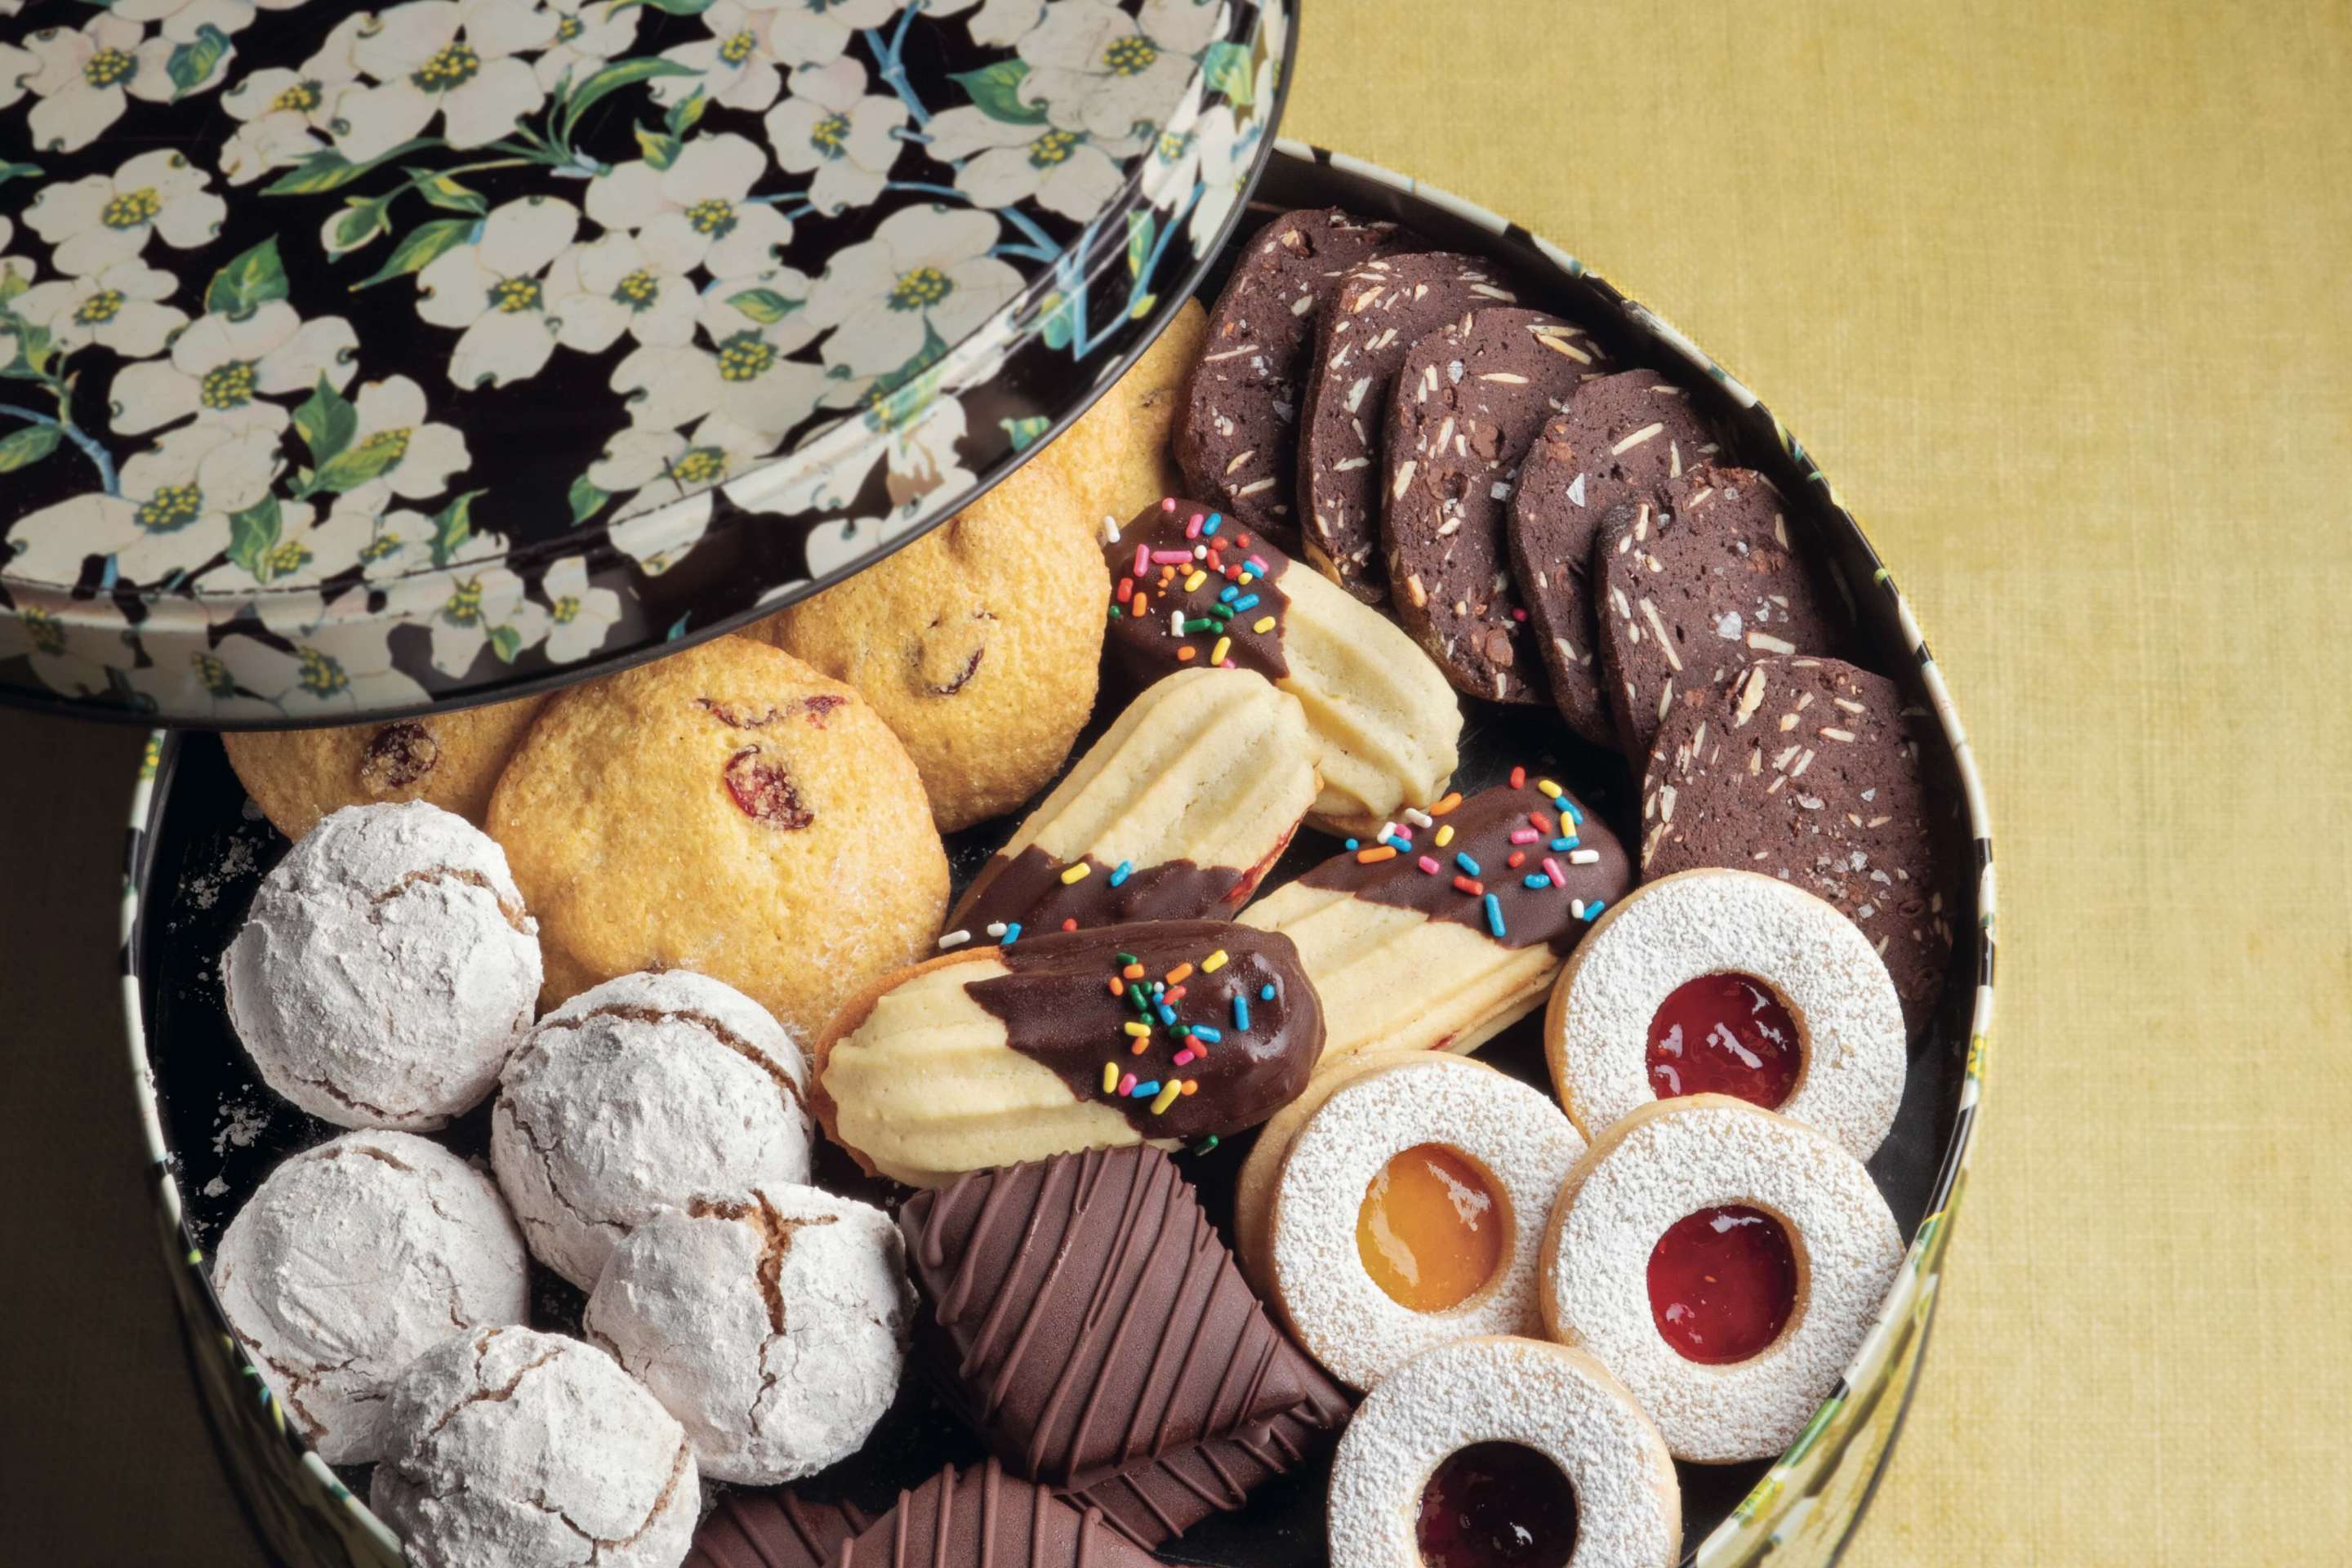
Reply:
x=1454, y=922
x=1236, y=430
x=1088, y=1318
x=1167, y=1030
x=1621, y=437
x=1194, y=587
x=1158, y=1501
x=773, y=1529
x=983, y=1517
x=1173, y=814
x=1469, y=398
x=1805, y=769
x=1377, y=313
x=1691, y=592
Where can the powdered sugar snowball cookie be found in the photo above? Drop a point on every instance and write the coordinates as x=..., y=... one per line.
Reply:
x=1736, y=983
x=1759, y=1244
x=385, y=968
x=1460, y=1420
x=531, y=1450
x=772, y=1323
x=640, y=1093
x=1402, y=1208
x=349, y=1260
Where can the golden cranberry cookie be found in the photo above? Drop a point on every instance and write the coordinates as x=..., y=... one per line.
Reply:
x=978, y=643
x=1116, y=457
x=730, y=810
x=448, y=760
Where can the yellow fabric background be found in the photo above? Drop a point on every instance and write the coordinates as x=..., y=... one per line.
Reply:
x=2060, y=293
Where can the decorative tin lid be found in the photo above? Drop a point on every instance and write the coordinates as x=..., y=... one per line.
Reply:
x=354, y=362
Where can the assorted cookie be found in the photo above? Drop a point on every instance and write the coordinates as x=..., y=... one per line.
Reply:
x=449, y=760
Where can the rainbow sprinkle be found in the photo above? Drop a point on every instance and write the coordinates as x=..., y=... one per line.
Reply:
x=1077, y=873
x=1125, y=869
x=1495, y=916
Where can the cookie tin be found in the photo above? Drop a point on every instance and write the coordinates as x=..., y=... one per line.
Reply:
x=196, y=849
x=354, y=362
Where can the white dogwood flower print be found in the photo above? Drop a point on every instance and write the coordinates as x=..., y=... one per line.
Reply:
x=471, y=610
x=697, y=212
x=118, y=309
x=16, y=66
x=1003, y=163
x=588, y=35
x=490, y=288
x=735, y=68
x=579, y=616
x=172, y=516
x=832, y=126
x=99, y=219
x=286, y=115
x=424, y=453
x=1093, y=67
x=360, y=528
x=80, y=657
x=997, y=23
x=926, y=272
x=223, y=371
x=356, y=677
x=459, y=59
x=87, y=76
x=810, y=32
x=596, y=293
x=183, y=21
x=672, y=472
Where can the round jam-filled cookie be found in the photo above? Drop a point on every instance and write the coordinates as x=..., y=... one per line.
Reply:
x=1807, y=770
x=1693, y=591
x=1621, y=437
x=1725, y=1264
x=448, y=760
x=1402, y=1207
x=1729, y=983
x=1378, y=311
x=1469, y=398
x=1236, y=437
x=978, y=643
x=730, y=810
x=1497, y=1450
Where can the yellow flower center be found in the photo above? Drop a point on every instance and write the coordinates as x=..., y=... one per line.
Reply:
x=699, y=465
x=464, y=606
x=212, y=674
x=286, y=558
x=712, y=215
x=381, y=546
x=515, y=295
x=171, y=508
x=109, y=67
x=299, y=99
x=745, y=357
x=43, y=629
x=568, y=28
x=131, y=208
x=227, y=386
x=321, y=675
x=738, y=48
x=827, y=134
x=921, y=289
x=395, y=442
x=1173, y=146
x=639, y=290
x=455, y=65
x=1052, y=148
x=100, y=307
x=566, y=610
x=1130, y=56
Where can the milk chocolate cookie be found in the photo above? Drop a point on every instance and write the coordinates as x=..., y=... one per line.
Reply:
x=449, y=760
x=1469, y=398
x=1807, y=770
x=1692, y=592
x=1156, y=1503
x=983, y=1517
x=773, y=1529
x=1377, y=313
x=1236, y=437
x=1621, y=437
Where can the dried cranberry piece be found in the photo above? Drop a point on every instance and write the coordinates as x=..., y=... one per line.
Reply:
x=397, y=757
x=765, y=793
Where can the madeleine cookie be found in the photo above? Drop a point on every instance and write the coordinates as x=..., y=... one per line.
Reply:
x=1403, y=1210
x=977, y=644
x=1093, y=1038
x=1173, y=814
x=1503, y=1450
x=729, y=810
x=1378, y=311
x=1236, y=435
x=1725, y=1264
x=1469, y=398
x=1806, y=769
x=1195, y=588
x=1690, y=591
x=448, y=760
x=1448, y=930
x=1713, y=981
x=1620, y=438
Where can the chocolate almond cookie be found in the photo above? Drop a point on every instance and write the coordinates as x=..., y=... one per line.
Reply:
x=1621, y=437
x=1690, y=593
x=1376, y=315
x=1806, y=769
x=1236, y=436
x=1469, y=399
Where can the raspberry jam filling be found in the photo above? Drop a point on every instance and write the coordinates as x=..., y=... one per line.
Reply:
x=1723, y=1034
x=1498, y=1505
x=1722, y=1283
x=1430, y=1230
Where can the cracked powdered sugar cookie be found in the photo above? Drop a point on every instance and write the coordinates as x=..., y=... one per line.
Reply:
x=772, y=1323
x=385, y=968
x=640, y=1093
x=531, y=1450
x=448, y=760
x=348, y=1261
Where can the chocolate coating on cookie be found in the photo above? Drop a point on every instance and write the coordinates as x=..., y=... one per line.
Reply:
x=1236, y=430
x=1807, y=770
x=1690, y=593
x=983, y=1517
x=1027, y=890
x=1057, y=1008
x=773, y=1529
x=1483, y=824
x=1621, y=437
x=1469, y=399
x=1376, y=315
x=1158, y=624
